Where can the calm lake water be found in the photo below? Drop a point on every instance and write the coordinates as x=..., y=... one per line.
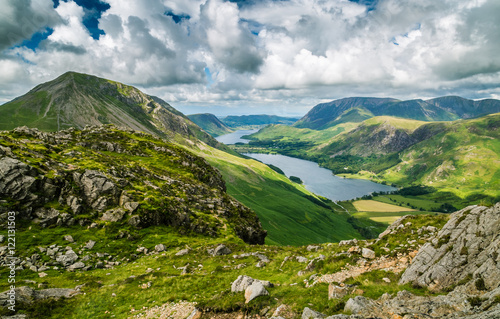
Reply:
x=320, y=180
x=235, y=137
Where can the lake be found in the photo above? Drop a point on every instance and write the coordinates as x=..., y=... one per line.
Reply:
x=320, y=180
x=235, y=137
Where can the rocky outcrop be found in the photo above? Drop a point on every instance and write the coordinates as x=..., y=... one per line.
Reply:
x=86, y=180
x=466, y=249
x=243, y=282
x=28, y=295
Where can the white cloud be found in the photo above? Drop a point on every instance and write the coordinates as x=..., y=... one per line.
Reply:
x=305, y=50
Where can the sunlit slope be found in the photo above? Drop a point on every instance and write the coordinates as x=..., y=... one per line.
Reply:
x=285, y=209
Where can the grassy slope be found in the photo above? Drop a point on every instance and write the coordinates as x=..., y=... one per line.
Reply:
x=462, y=160
x=209, y=284
x=210, y=124
x=282, y=206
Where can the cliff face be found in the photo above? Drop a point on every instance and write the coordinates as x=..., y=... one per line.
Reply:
x=463, y=259
x=105, y=175
x=465, y=250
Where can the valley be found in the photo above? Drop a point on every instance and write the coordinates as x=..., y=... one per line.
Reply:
x=123, y=203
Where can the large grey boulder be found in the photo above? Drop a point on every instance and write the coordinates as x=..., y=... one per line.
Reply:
x=243, y=282
x=17, y=180
x=311, y=314
x=95, y=186
x=256, y=289
x=113, y=215
x=28, y=295
x=466, y=247
x=67, y=259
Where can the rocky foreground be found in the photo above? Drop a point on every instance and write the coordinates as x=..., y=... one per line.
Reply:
x=453, y=272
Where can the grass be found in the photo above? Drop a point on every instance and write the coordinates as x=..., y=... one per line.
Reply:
x=209, y=279
x=290, y=213
x=376, y=206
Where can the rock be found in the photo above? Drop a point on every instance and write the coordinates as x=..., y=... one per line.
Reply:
x=243, y=282
x=42, y=274
x=336, y=292
x=134, y=221
x=29, y=295
x=77, y=265
x=17, y=180
x=160, y=248
x=90, y=244
x=68, y=259
x=399, y=222
x=359, y=304
x=301, y=259
x=311, y=314
x=350, y=242
x=313, y=248
x=221, y=250
x=387, y=280
x=183, y=252
x=466, y=247
x=113, y=215
x=367, y=253
x=95, y=185
x=69, y=238
x=255, y=290
x=131, y=206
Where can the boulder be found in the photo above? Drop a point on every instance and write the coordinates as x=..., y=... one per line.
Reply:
x=77, y=265
x=367, y=253
x=67, y=259
x=69, y=238
x=29, y=295
x=255, y=290
x=221, y=250
x=466, y=247
x=311, y=314
x=113, y=215
x=160, y=248
x=182, y=252
x=243, y=282
x=90, y=244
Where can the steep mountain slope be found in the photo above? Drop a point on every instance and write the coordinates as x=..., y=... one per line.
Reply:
x=324, y=115
x=77, y=100
x=465, y=108
x=245, y=121
x=448, y=108
x=210, y=124
x=108, y=176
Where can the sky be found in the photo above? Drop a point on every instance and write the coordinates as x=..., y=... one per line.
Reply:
x=278, y=57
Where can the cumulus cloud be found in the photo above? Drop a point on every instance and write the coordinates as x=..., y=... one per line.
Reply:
x=264, y=53
x=20, y=19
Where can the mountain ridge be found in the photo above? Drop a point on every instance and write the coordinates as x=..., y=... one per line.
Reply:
x=447, y=108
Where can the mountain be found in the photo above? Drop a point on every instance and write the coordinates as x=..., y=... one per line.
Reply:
x=77, y=100
x=324, y=115
x=460, y=156
x=210, y=124
x=245, y=121
x=447, y=108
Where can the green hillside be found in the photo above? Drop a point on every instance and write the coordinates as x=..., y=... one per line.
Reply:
x=356, y=109
x=461, y=157
x=210, y=124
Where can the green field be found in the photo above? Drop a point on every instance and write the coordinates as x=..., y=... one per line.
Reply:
x=377, y=206
x=387, y=217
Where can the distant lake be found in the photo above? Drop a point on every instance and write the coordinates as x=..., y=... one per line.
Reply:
x=320, y=180
x=235, y=137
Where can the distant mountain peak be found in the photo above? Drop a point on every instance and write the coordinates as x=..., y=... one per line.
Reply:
x=447, y=108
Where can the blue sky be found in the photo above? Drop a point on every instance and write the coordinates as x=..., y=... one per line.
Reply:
x=256, y=56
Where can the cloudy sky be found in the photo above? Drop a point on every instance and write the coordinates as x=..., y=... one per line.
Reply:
x=256, y=56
